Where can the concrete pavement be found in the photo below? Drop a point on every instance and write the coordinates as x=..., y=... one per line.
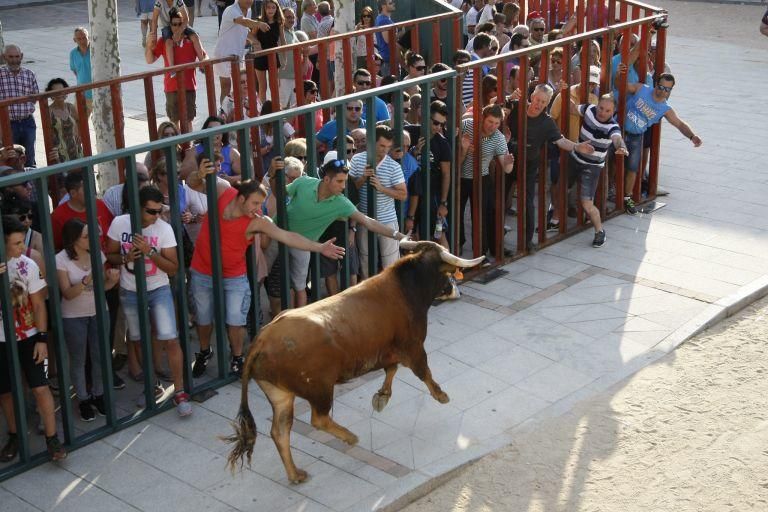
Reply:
x=561, y=326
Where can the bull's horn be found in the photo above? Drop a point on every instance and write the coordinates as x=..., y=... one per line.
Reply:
x=460, y=262
x=408, y=245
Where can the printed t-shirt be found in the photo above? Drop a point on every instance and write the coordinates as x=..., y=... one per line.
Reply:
x=25, y=279
x=159, y=235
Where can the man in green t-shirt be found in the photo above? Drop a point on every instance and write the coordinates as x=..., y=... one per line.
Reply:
x=314, y=204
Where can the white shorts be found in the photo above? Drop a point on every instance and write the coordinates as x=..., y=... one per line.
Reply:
x=145, y=16
x=223, y=69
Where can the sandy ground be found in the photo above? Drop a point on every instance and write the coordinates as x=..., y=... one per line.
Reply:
x=689, y=433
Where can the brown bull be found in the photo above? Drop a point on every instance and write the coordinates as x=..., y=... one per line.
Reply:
x=380, y=323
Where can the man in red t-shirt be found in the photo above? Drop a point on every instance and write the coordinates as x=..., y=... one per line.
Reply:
x=184, y=52
x=74, y=208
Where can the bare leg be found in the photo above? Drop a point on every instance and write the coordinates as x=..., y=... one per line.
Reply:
x=282, y=421
x=382, y=396
x=175, y=363
x=629, y=183
x=593, y=212
x=6, y=402
x=301, y=297
x=236, y=334
x=45, y=407
x=261, y=79
x=204, y=335
x=332, y=285
x=226, y=85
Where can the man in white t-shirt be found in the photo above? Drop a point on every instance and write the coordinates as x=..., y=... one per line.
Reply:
x=30, y=326
x=236, y=23
x=388, y=180
x=157, y=246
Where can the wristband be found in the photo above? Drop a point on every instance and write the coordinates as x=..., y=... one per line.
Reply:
x=409, y=217
x=42, y=337
x=444, y=203
x=394, y=234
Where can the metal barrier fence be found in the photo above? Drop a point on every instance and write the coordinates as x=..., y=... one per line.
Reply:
x=641, y=21
x=113, y=421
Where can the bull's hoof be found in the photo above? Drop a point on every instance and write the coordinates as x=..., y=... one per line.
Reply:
x=442, y=397
x=380, y=401
x=299, y=477
x=351, y=439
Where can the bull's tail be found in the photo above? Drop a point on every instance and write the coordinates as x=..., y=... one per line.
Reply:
x=245, y=427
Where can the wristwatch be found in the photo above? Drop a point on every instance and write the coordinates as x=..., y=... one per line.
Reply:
x=152, y=251
x=444, y=203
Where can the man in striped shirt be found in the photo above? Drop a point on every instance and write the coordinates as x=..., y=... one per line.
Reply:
x=389, y=183
x=600, y=130
x=15, y=82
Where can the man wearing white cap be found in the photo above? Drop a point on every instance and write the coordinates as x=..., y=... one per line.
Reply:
x=574, y=124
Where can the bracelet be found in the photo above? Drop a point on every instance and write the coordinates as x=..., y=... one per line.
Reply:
x=444, y=203
x=82, y=281
x=394, y=234
x=409, y=217
x=353, y=229
x=42, y=336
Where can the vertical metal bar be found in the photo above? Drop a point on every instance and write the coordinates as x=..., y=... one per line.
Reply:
x=181, y=99
x=45, y=115
x=99, y=289
x=436, y=54
x=149, y=95
x=12, y=352
x=477, y=178
x=520, y=158
x=282, y=221
x=5, y=127
x=428, y=214
x=373, y=253
x=214, y=228
x=274, y=88
x=346, y=48
x=322, y=64
x=180, y=277
x=139, y=274
x=312, y=163
x=119, y=124
x=393, y=53
x=565, y=122
x=82, y=124
x=397, y=108
x=210, y=88
x=453, y=194
x=414, y=39
x=653, y=166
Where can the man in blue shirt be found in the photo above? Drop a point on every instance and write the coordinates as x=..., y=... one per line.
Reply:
x=352, y=121
x=647, y=106
x=80, y=63
x=363, y=81
x=383, y=44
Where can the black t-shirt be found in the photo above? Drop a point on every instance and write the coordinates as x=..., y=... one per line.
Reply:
x=439, y=151
x=540, y=130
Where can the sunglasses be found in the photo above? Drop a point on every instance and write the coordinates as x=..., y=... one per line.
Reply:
x=664, y=88
x=303, y=158
x=350, y=151
x=540, y=29
x=24, y=216
x=367, y=16
x=365, y=84
x=438, y=123
x=356, y=109
x=152, y=211
x=406, y=110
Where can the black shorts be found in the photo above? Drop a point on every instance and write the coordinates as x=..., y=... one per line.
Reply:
x=34, y=373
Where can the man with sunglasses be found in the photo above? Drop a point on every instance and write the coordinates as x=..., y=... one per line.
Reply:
x=537, y=27
x=383, y=44
x=352, y=120
x=363, y=81
x=647, y=106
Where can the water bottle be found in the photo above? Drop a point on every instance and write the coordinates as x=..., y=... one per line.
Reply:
x=438, y=228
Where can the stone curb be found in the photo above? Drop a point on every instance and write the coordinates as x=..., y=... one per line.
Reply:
x=712, y=314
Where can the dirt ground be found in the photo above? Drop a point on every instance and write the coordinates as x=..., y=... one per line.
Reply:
x=689, y=433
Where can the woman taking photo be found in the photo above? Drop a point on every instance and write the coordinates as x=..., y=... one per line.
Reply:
x=361, y=48
x=270, y=35
x=230, y=157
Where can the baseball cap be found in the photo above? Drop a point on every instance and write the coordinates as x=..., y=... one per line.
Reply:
x=329, y=157
x=533, y=15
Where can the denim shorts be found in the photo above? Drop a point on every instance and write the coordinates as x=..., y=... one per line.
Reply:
x=237, y=299
x=161, y=311
x=635, y=147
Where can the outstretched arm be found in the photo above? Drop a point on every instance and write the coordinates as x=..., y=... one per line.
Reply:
x=376, y=226
x=291, y=239
x=682, y=126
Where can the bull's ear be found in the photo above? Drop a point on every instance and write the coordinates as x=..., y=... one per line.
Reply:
x=447, y=268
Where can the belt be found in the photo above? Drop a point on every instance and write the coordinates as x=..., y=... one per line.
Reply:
x=22, y=119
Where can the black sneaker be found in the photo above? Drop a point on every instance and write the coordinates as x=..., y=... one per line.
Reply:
x=117, y=381
x=98, y=403
x=86, y=411
x=599, y=239
x=553, y=227
x=55, y=449
x=236, y=365
x=201, y=362
x=11, y=448
x=629, y=206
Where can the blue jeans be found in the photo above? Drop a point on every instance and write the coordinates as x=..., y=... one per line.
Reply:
x=634, y=144
x=237, y=299
x=161, y=311
x=24, y=133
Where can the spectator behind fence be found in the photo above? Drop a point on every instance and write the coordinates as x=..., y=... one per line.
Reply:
x=185, y=52
x=270, y=35
x=362, y=82
x=234, y=27
x=16, y=82
x=416, y=67
x=360, y=45
x=286, y=74
x=78, y=311
x=389, y=184
x=75, y=208
x=156, y=245
x=230, y=157
x=28, y=290
x=227, y=109
x=310, y=25
x=113, y=196
x=382, y=39
x=481, y=50
x=267, y=149
x=80, y=64
x=352, y=120
x=164, y=130
x=23, y=210
x=163, y=18
x=241, y=224
x=64, y=123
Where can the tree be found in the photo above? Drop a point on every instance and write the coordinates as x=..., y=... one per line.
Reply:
x=344, y=22
x=105, y=63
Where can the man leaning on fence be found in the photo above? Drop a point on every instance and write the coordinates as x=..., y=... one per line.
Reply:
x=15, y=82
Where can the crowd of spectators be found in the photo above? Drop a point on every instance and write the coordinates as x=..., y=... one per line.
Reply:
x=317, y=209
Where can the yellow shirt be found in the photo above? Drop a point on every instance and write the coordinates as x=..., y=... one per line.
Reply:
x=574, y=122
